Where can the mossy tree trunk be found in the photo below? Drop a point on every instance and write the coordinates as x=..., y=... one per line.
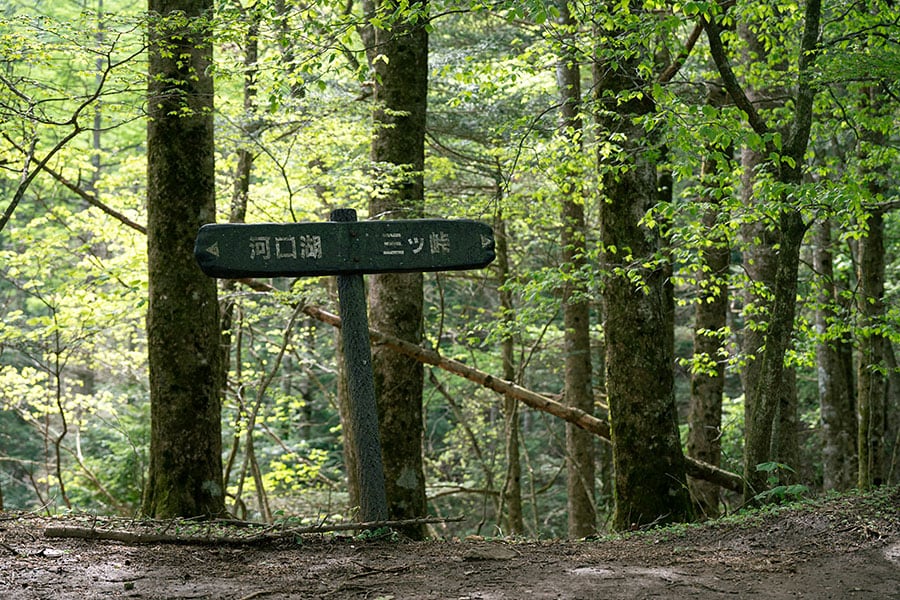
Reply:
x=773, y=384
x=396, y=300
x=650, y=482
x=183, y=336
x=871, y=380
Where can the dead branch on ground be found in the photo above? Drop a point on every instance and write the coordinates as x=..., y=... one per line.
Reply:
x=269, y=534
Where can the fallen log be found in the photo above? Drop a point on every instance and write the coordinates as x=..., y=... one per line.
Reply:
x=270, y=534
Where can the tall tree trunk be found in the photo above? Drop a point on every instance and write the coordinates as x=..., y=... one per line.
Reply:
x=650, y=482
x=770, y=391
x=183, y=336
x=871, y=381
x=512, y=485
x=834, y=362
x=244, y=168
x=396, y=300
x=773, y=391
x=238, y=214
x=578, y=392
x=710, y=318
x=760, y=263
x=245, y=155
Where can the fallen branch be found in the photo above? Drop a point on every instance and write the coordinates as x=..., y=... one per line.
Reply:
x=132, y=537
x=528, y=397
x=693, y=467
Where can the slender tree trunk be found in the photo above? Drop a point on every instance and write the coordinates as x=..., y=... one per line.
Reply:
x=582, y=514
x=396, y=300
x=707, y=387
x=760, y=263
x=871, y=381
x=238, y=214
x=873, y=345
x=770, y=389
x=773, y=390
x=650, y=482
x=578, y=383
x=834, y=361
x=245, y=155
x=183, y=336
x=512, y=486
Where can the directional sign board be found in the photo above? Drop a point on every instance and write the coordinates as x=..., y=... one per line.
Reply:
x=236, y=250
x=349, y=249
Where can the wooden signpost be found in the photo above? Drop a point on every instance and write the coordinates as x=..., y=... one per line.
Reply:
x=342, y=247
x=349, y=249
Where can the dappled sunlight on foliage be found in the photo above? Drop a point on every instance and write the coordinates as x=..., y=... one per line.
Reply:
x=293, y=105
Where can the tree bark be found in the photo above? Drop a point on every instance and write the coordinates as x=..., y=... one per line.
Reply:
x=512, y=486
x=873, y=344
x=183, y=336
x=707, y=387
x=237, y=214
x=834, y=362
x=650, y=482
x=871, y=381
x=773, y=387
x=760, y=263
x=580, y=471
x=770, y=387
x=396, y=300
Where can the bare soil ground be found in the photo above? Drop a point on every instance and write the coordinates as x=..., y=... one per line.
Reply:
x=846, y=547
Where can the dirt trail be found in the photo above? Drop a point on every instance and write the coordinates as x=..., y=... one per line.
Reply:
x=838, y=548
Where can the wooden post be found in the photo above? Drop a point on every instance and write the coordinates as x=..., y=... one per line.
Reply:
x=363, y=423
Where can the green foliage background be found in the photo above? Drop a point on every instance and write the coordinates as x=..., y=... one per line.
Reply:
x=74, y=423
